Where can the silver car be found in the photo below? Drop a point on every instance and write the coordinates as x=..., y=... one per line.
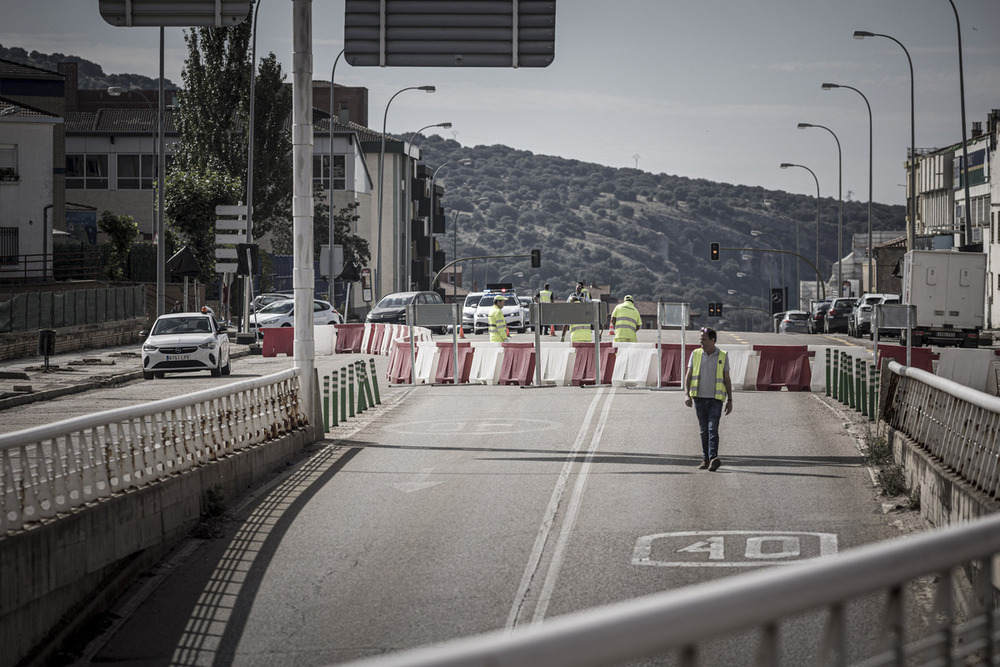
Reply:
x=794, y=321
x=184, y=343
x=511, y=313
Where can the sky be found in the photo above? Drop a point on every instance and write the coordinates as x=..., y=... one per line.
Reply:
x=707, y=89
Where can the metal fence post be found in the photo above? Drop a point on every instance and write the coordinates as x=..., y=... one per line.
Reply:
x=360, y=374
x=343, y=394
x=333, y=399
x=829, y=357
x=374, y=377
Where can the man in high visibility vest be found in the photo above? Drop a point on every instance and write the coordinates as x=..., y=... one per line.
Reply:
x=707, y=385
x=497, y=322
x=581, y=293
x=545, y=296
x=578, y=333
x=626, y=321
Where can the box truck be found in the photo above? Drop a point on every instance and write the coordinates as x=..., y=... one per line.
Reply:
x=949, y=291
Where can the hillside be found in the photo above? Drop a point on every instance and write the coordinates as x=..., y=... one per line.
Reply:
x=645, y=234
x=91, y=75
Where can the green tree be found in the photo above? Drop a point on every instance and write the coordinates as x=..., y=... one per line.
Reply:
x=356, y=248
x=121, y=231
x=190, y=207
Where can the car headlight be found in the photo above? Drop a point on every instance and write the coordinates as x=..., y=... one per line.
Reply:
x=149, y=347
x=210, y=345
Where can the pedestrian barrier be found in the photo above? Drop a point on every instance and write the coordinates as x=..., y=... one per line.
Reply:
x=445, y=373
x=325, y=340
x=557, y=364
x=399, y=362
x=486, y=363
x=372, y=341
x=349, y=391
x=426, y=362
x=518, y=364
x=278, y=340
x=972, y=368
x=781, y=366
x=584, y=370
x=635, y=365
x=349, y=337
x=671, y=367
x=920, y=357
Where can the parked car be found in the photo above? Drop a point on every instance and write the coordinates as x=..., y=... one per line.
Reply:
x=861, y=319
x=794, y=321
x=391, y=309
x=469, y=310
x=185, y=343
x=816, y=316
x=837, y=314
x=511, y=312
x=282, y=314
x=267, y=299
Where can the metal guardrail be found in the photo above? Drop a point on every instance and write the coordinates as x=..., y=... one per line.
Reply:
x=958, y=425
x=684, y=620
x=54, y=468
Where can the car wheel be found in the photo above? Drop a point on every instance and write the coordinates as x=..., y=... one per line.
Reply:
x=146, y=375
x=217, y=372
x=159, y=375
x=228, y=368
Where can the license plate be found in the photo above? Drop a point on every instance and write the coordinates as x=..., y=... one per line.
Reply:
x=947, y=334
x=178, y=357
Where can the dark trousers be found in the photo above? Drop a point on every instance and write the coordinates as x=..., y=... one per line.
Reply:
x=709, y=411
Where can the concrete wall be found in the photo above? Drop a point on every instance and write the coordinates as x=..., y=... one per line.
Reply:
x=59, y=573
x=78, y=337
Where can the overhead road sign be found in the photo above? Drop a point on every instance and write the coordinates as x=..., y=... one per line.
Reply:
x=175, y=13
x=444, y=33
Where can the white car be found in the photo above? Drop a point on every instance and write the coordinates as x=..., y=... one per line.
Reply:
x=511, y=313
x=469, y=311
x=282, y=314
x=184, y=343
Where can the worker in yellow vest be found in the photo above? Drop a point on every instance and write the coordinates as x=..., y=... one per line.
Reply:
x=625, y=320
x=707, y=385
x=579, y=333
x=498, y=323
x=545, y=296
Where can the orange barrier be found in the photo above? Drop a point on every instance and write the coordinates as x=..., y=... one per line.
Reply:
x=920, y=357
x=278, y=340
x=672, y=368
x=583, y=364
x=445, y=373
x=375, y=339
x=349, y=337
x=784, y=366
x=399, y=362
x=518, y=365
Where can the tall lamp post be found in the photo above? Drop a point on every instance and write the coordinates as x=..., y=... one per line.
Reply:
x=840, y=206
x=454, y=221
x=755, y=233
x=911, y=229
x=786, y=165
x=966, y=226
x=741, y=274
x=331, y=235
x=381, y=180
x=407, y=259
x=871, y=273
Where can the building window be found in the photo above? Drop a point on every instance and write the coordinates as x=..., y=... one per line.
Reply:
x=322, y=172
x=9, y=250
x=87, y=172
x=8, y=162
x=135, y=172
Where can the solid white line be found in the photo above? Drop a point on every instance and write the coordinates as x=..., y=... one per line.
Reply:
x=576, y=499
x=550, y=513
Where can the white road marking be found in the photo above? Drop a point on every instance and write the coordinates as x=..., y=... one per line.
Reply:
x=548, y=518
x=418, y=483
x=747, y=548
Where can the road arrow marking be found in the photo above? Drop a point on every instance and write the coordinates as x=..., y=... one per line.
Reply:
x=419, y=482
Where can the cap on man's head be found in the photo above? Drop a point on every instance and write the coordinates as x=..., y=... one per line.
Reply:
x=498, y=298
x=204, y=309
x=546, y=285
x=628, y=297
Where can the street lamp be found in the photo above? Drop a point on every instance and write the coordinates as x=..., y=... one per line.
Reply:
x=755, y=233
x=966, y=227
x=911, y=229
x=9, y=111
x=871, y=274
x=741, y=274
x=331, y=234
x=409, y=203
x=840, y=206
x=454, y=220
x=786, y=165
x=381, y=194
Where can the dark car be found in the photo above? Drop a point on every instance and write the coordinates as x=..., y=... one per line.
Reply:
x=816, y=316
x=837, y=313
x=391, y=309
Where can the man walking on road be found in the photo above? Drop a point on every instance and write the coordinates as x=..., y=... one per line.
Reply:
x=626, y=321
x=707, y=384
x=498, y=323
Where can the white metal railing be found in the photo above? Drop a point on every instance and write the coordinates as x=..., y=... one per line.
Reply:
x=53, y=468
x=683, y=621
x=958, y=425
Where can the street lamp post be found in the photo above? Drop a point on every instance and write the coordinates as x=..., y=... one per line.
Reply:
x=407, y=258
x=381, y=180
x=755, y=233
x=786, y=165
x=966, y=226
x=840, y=206
x=911, y=229
x=741, y=274
x=454, y=221
x=871, y=274
x=331, y=234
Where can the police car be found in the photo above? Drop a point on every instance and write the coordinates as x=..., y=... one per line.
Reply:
x=512, y=312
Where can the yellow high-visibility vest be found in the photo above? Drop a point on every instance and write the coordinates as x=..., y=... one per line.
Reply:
x=627, y=322
x=498, y=325
x=720, y=384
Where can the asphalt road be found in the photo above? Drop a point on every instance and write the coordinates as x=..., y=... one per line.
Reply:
x=449, y=511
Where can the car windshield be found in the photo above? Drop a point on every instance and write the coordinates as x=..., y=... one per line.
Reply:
x=181, y=325
x=487, y=300
x=796, y=316
x=279, y=308
x=471, y=300
x=395, y=301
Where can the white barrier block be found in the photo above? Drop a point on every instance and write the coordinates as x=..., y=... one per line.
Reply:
x=967, y=367
x=557, y=363
x=427, y=358
x=635, y=365
x=743, y=364
x=367, y=336
x=325, y=340
x=486, y=363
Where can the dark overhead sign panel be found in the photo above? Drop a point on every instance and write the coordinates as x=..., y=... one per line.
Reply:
x=449, y=33
x=174, y=13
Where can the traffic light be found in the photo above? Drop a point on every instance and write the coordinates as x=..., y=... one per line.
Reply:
x=711, y=309
x=536, y=258
x=715, y=309
x=715, y=251
x=718, y=309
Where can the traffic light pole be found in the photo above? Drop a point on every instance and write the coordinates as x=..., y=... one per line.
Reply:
x=465, y=259
x=819, y=276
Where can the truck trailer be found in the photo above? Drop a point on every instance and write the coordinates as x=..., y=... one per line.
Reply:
x=949, y=291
